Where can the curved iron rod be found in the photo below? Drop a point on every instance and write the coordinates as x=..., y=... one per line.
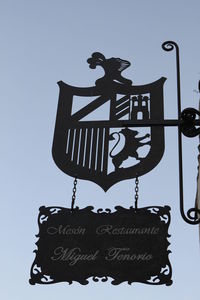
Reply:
x=169, y=46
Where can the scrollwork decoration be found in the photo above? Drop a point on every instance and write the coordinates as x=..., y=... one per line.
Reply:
x=78, y=245
x=186, y=121
x=188, y=127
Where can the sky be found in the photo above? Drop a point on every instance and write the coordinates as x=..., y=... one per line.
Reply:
x=45, y=41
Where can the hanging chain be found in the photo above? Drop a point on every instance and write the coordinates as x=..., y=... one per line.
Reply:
x=74, y=193
x=136, y=192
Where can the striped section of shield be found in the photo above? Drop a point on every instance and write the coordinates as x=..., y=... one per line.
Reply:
x=88, y=148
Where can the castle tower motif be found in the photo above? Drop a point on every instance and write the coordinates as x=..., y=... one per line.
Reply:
x=140, y=108
x=133, y=108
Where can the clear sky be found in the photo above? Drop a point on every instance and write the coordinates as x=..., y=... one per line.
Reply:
x=44, y=41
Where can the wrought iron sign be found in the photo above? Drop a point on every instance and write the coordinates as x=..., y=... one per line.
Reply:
x=83, y=148
x=128, y=244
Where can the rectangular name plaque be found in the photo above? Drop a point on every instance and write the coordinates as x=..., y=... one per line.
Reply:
x=126, y=245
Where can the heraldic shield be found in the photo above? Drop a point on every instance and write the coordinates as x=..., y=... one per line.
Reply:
x=82, y=148
x=118, y=147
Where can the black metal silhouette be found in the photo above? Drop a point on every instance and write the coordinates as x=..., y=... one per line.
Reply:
x=132, y=143
x=127, y=245
x=188, y=127
x=81, y=148
x=112, y=67
x=186, y=121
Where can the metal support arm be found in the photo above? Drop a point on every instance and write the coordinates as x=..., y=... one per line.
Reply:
x=187, y=126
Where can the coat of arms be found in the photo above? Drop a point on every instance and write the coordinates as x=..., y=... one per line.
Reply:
x=119, y=146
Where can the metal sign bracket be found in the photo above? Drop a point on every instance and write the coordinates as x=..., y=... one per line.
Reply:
x=187, y=123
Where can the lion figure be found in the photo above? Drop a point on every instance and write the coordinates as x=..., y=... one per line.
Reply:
x=132, y=143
